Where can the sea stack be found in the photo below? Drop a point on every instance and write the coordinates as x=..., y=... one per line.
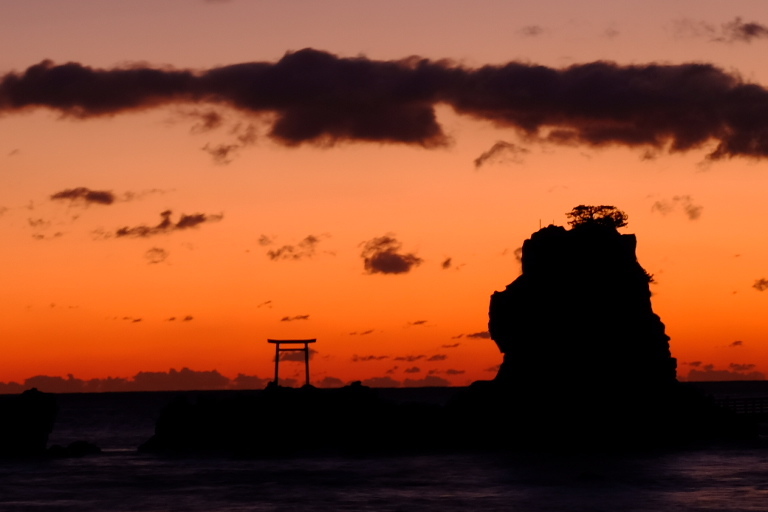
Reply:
x=580, y=313
x=585, y=359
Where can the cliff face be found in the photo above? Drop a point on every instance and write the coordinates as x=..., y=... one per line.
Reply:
x=580, y=317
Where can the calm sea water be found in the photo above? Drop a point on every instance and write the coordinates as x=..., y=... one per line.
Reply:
x=733, y=479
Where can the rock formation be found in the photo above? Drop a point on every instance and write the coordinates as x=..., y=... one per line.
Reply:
x=26, y=420
x=580, y=314
x=585, y=358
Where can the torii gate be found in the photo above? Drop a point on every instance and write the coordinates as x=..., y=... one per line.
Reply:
x=305, y=349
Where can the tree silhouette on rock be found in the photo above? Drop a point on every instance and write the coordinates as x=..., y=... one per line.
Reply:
x=602, y=215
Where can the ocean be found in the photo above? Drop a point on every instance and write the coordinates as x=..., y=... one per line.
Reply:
x=732, y=478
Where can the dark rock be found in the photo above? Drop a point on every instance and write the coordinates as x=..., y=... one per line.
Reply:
x=581, y=314
x=75, y=449
x=585, y=358
x=26, y=420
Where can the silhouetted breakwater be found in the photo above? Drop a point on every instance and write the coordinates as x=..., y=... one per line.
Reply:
x=357, y=420
x=283, y=421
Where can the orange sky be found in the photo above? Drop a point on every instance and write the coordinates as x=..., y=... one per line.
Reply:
x=73, y=291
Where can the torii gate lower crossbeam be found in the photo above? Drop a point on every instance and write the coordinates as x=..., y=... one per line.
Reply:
x=304, y=349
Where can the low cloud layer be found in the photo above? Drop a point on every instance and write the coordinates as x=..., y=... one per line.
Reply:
x=172, y=380
x=735, y=371
x=315, y=97
x=383, y=255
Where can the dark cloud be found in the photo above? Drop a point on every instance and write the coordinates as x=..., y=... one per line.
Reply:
x=264, y=240
x=739, y=31
x=481, y=335
x=410, y=359
x=38, y=223
x=40, y=236
x=761, y=285
x=531, y=31
x=188, y=318
x=381, y=382
x=156, y=255
x=382, y=255
x=734, y=31
x=363, y=333
x=311, y=96
x=85, y=196
x=501, y=152
x=412, y=369
x=221, y=153
x=741, y=367
x=205, y=119
x=695, y=364
x=293, y=318
x=266, y=303
x=495, y=368
x=454, y=345
x=242, y=135
x=304, y=249
x=693, y=211
x=518, y=253
x=737, y=343
x=132, y=196
x=357, y=359
x=446, y=264
x=166, y=225
x=451, y=371
x=437, y=357
x=428, y=381
x=417, y=322
x=296, y=355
